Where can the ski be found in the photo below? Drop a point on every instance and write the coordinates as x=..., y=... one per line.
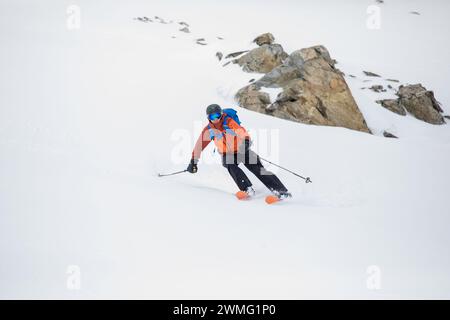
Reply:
x=242, y=195
x=277, y=197
x=272, y=199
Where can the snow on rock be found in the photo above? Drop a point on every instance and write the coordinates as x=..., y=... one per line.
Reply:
x=313, y=92
x=266, y=38
x=272, y=92
x=262, y=59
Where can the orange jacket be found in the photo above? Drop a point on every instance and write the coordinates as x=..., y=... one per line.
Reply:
x=226, y=140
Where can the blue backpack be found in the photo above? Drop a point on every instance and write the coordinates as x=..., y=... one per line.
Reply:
x=228, y=113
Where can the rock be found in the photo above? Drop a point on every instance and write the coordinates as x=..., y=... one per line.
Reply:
x=392, y=80
x=314, y=92
x=421, y=103
x=252, y=98
x=220, y=38
x=266, y=38
x=415, y=12
x=201, y=41
x=235, y=54
x=390, y=87
x=393, y=105
x=251, y=80
x=389, y=135
x=377, y=88
x=299, y=57
x=219, y=55
x=279, y=76
x=447, y=117
x=418, y=101
x=185, y=29
x=144, y=19
x=262, y=59
x=227, y=63
x=351, y=76
x=371, y=74
x=183, y=24
x=293, y=67
x=160, y=20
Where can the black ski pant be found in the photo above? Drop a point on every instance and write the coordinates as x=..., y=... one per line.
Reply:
x=252, y=162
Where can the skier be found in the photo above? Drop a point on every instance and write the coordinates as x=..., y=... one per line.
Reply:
x=233, y=143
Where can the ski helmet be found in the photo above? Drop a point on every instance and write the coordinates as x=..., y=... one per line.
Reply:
x=213, y=108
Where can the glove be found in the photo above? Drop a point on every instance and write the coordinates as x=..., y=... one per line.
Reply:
x=192, y=167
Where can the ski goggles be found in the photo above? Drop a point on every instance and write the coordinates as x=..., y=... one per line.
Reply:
x=214, y=116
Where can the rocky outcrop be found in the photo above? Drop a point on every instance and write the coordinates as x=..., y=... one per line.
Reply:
x=389, y=135
x=252, y=98
x=161, y=20
x=418, y=101
x=201, y=41
x=314, y=92
x=371, y=74
x=235, y=54
x=266, y=38
x=143, y=19
x=393, y=105
x=421, y=103
x=377, y=88
x=262, y=59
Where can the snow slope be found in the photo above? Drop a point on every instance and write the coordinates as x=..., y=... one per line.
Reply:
x=89, y=116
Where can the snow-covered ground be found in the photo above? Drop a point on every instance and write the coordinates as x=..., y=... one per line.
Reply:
x=89, y=115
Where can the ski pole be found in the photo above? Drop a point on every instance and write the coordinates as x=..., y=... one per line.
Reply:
x=307, y=179
x=171, y=174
